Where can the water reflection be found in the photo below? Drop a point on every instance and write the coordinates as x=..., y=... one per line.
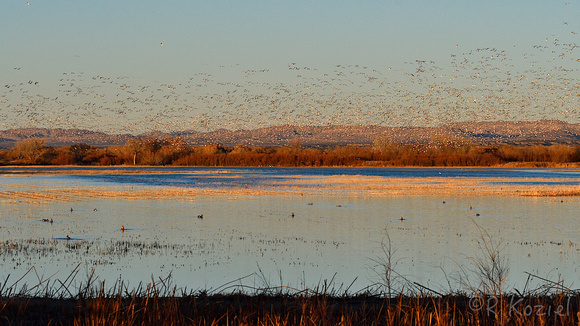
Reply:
x=241, y=235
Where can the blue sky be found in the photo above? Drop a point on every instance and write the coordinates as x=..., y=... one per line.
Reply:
x=225, y=39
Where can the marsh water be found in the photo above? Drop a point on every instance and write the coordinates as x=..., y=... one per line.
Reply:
x=299, y=240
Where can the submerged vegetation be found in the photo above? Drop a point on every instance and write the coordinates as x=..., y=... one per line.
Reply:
x=481, y=299
x=440, y=151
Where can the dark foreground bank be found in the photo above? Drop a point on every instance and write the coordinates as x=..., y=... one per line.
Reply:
x=296, y=309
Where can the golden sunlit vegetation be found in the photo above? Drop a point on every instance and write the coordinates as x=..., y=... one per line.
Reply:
x=320, y=309
x=162, y=303
x=350, y=186
x=440, y=151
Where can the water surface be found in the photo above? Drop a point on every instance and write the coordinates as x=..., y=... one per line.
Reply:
x=329, y=237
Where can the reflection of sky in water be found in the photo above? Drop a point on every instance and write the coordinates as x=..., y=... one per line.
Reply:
x=243, y=176
x=324, y=171
x=240, y=235
x=186, y=179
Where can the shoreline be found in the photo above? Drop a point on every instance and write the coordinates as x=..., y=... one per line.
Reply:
x=130, y=168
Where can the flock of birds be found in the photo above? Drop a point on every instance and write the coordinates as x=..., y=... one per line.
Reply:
x=51, y=221
x=200, y=216
x=483, y=84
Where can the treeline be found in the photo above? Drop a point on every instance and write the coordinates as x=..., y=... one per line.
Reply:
x=440, y=151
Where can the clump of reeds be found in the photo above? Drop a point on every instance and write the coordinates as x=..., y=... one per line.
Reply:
x=162, y=303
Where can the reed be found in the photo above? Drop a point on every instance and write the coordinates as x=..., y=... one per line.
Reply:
x=153, y=308
x=160, y=302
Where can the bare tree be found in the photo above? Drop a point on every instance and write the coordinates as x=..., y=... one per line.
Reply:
x=29, y=150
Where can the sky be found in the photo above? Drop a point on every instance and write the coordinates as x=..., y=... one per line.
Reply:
x=138, y=66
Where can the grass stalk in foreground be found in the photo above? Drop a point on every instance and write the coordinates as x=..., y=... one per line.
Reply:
x=162, y=303
x=91, y=302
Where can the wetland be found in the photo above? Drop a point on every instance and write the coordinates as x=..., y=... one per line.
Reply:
x=211, y=228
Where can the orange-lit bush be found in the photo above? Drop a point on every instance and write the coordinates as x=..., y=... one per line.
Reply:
x=439, y=151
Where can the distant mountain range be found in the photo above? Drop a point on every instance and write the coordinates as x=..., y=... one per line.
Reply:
x=505, y=132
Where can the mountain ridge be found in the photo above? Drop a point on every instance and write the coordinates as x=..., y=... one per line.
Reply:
x=485, y=132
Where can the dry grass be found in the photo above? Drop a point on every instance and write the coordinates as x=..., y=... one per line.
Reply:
x=90, y=302
x=158, y=305
x=379, y=186
x=342, y=185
